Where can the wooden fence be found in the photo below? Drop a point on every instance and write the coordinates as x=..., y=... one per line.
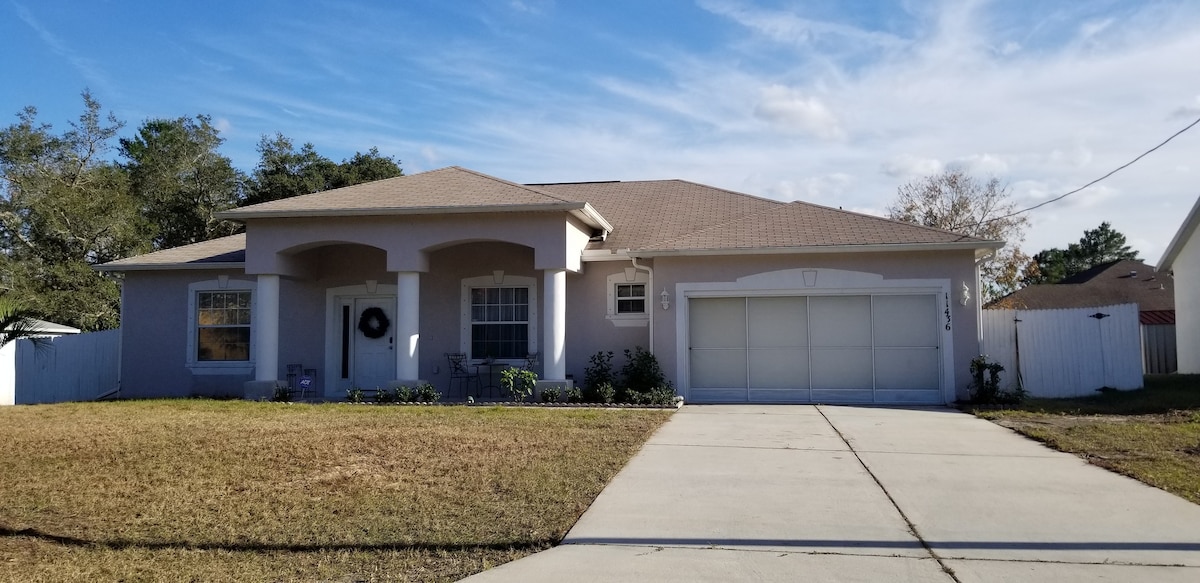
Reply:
x=78, y=367
x=1066, y=353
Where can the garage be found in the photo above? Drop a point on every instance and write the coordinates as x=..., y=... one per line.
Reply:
x=846, y=348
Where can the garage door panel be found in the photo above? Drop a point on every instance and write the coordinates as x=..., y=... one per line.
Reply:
x=718, y=395
x=779, y=368
x=717, y=322
x=909, y=320
x=928, y=397
x=841, y=321
x=842, y=368
x=907, y=368
x=843, y=396
x=718, y=369
x=777, y=322
x=778, y=396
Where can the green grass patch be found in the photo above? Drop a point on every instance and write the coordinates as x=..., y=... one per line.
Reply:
x=1152, y=434
x=238, y=491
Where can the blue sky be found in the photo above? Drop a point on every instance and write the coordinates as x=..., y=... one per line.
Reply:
x=830, y=101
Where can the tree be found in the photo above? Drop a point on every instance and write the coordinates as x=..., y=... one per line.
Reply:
x=181, y=181
x=64, y=208
x=958, y=202
x=283, y=172
x=1097, y=246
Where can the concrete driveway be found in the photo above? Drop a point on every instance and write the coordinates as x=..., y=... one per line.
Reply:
x=823, y=493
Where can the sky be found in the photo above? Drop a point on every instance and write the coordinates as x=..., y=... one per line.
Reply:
x=827, y=101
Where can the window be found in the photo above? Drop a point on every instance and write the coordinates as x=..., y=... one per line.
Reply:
x=499, y=322
x=220, y=332
x=631, y=298
x=222, y=326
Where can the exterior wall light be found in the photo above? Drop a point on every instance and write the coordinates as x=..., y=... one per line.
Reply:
x=666, y=299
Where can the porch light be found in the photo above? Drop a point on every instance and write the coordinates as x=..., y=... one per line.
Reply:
x=666, y=299
x=965, y=297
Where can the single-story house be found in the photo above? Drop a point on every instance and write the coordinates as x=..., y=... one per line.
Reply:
x=1125, y=281
x=741, y=298
x=1182, y=261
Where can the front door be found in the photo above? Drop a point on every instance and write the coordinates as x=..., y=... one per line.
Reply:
x=372, y=346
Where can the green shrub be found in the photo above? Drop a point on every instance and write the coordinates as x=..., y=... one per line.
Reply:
x=599, y=370
x=426, y=393
x=602, y=393
x=985, y=384
x=518, y=383
x=641, y=372
x=551, y=394
x=384, y=395
x=574, y=395
x=354, y=395
x=655, y=396
x=405, y=394
x=282, y=394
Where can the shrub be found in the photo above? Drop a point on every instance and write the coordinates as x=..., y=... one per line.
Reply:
x=602, y=393
x=518, y=383
x=426, y=393
x=655, y=396
x=551, y=394
x=282, y=394
x=574, y=395
x=985, y=384
x=641, y=372
x=384, y=395
x=599, y=370
x=354, y=395
x=405, y=394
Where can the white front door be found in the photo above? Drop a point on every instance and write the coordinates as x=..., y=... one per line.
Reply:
x=372, y=360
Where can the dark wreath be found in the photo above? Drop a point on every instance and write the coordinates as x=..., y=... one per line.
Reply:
x=373, y=323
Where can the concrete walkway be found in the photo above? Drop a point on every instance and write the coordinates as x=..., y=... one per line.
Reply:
x=822, y=493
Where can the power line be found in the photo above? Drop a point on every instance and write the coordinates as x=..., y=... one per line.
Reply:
x=1118, y=169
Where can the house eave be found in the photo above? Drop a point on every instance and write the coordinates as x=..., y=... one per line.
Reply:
x=582, y=210
x=820, y=249
x=110, y=268
x=1182, y=236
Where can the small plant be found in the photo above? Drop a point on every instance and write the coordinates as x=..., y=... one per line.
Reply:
x=384, y=395
x=985, y=384
x=283, y=394
x=405, y=394
x=426, y=393
x=599, y=370
x=641, y=371
x=602, y=393
x=551, y=394
x=574, y=395
x=354, y=395
x=518, y=383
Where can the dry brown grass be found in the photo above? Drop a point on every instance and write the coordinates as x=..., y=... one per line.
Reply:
x=212, y=491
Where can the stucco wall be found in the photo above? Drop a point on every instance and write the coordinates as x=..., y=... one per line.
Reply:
x=1187, y=306
x=956, y=267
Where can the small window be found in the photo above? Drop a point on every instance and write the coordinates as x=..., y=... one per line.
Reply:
x=222, y=326
x=499, y=322
x=631, y=298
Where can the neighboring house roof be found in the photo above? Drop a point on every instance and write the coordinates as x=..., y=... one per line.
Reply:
x=42, y=327
x=221, y=253
x=1115, y=282
x=1182, y=236
x=654, y=217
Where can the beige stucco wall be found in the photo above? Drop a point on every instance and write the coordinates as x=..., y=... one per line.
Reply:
x=1187, y=306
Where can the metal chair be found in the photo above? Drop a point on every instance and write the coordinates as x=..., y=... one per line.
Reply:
x=463, y=373
x=531, y=361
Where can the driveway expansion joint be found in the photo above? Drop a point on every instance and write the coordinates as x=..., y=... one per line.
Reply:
x=912, y=528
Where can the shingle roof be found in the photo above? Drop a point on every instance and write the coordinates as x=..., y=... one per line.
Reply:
x=1103, y=285
x=434, y=191
x=207, y=254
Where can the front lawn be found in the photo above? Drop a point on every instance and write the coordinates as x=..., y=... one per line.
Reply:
x=1152, y=434
x=235, y=491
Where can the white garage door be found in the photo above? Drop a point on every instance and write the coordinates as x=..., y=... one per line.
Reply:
x=815, y=349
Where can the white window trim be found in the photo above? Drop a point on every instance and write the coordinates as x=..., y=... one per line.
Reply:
x=627, y=320
x=464, y=343
x=208, y=367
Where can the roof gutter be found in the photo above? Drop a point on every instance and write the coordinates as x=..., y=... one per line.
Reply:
x=109, y=267
x=820, y=249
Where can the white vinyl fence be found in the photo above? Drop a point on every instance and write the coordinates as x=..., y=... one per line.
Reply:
x=77, y=367
x=1066, y=353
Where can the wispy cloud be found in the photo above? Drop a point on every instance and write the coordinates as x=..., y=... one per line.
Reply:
x=91, y=71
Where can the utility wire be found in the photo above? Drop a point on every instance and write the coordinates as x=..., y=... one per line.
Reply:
x=1118, y=169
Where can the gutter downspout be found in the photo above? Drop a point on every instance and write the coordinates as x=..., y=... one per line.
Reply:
x=649, y=295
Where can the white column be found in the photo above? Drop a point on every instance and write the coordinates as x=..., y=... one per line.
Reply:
x=266, y=355
x=408, y=329
x=554, y=356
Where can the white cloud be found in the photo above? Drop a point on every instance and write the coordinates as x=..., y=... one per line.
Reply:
x=907, y=167
x=790, y=110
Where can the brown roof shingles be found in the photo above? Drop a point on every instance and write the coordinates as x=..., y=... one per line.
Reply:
x=231, y=249
x=1117, y=282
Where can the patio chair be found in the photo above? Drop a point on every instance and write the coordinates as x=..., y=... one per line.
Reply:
x=531, y=361
x=463, y=373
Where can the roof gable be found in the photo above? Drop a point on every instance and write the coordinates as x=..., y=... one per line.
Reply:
x=1185, y=233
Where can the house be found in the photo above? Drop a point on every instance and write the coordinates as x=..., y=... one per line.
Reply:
x=10, y=374
x=1124, y=281
x=1182, y=261
x=741, y=298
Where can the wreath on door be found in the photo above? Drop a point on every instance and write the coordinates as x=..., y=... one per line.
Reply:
x=373, y=323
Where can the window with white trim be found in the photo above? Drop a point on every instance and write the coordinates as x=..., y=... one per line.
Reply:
x=223, y=326
x=631, y=298
x=220, y=328
x=628, y=303
x=499, y=319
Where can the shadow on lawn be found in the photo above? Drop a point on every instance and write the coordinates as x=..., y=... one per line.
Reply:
x=169, y=545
